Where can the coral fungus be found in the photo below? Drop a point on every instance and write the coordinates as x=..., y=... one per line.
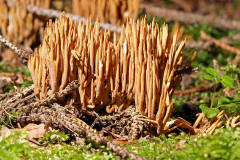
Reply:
x=139, y=68
x=17, y=24
x=113, y=11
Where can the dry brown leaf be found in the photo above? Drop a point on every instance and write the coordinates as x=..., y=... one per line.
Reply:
x=181, y=143
x=36, y=131
x=20, y=79
x=121, y=142
x=5, y=132
x=12, y=78
x=229, y=92
x=4, y=81
x=10, y=58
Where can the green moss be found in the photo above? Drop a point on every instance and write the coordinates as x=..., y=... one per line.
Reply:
x=225, y=144
x=26, y=83
x=16, y=147
x=24, y=70
x=4, y=68
x=222, y=145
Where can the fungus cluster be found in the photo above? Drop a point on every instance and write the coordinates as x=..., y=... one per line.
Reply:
x=137, y=69
x=17, y=24
x=112, y=11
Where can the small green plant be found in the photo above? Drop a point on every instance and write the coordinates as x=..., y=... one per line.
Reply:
x=10, y=87
x=5, y=68
x=54, y=137
x=11, y=117
x=26, y=83
x=225, y=80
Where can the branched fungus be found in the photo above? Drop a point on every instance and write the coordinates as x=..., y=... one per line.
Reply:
x=73, y=51
x=137, y=69
x=113, y=11
x=17, y=24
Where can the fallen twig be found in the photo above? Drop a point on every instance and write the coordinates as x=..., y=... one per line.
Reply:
x=25, y=109
x=61, y=118
x=223, y=45
x=191, y=18
x=7, y=95
x=229, y=40
x=197, y=89
x=23, y=54
x=36, y=142
x=52, y=98
x=198, y=45
x=18, y=95
x=220, y=44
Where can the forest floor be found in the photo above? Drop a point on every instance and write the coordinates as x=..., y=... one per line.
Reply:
x=215, y=65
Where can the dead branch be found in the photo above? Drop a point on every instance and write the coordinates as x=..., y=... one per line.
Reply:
x=16, y=96
x=53, y=97
x=190, y=18
x=229, y=40
x=10, y=110
x=206, y=45
x=23, y=54
x=197, y=89
x=51, y=13
x=61, y=118
x=7, y=110
x=198, y=45
x=220, y=44
x=7, y=95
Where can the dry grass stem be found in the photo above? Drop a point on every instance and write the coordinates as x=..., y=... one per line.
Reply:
x=196, y=89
